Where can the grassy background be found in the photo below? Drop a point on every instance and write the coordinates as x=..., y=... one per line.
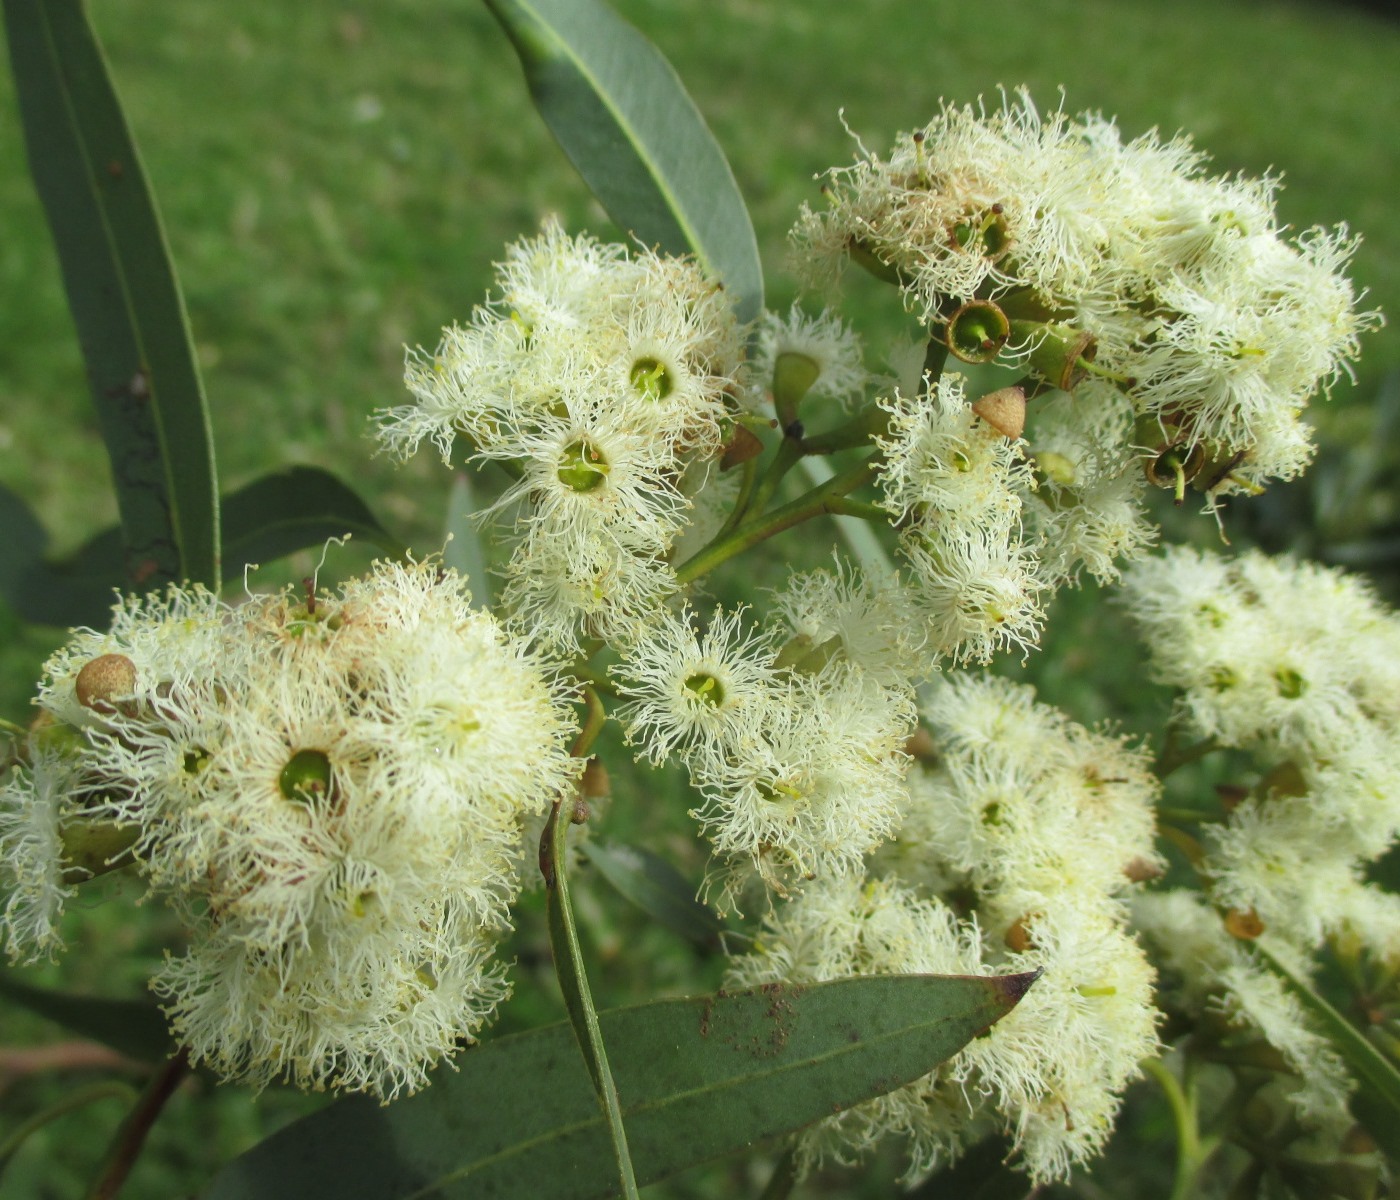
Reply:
x=336, y=181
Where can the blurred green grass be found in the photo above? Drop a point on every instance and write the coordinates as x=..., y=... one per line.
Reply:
x=336, y=182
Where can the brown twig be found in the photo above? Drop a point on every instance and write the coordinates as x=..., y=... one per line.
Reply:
x=126, y=1146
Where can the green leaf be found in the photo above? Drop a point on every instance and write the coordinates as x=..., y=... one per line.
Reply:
x=1377, y=1103
x=698, y=1078
x=573, y=982
x=123, y=294
x=623, y=117
x=464, y=552
x=79, y=593
x=293, y=509
x=657, y=888
x=136, y=1028
x=273, y=516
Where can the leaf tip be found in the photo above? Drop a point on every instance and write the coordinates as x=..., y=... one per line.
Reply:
x=1009, y=989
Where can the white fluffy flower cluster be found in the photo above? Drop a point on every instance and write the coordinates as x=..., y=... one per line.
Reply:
x=1045, y=825
x=328, y=789
x=954, y=489
x=1050, y=241
x=596, y=378
x=796, y=748
x=1298, y=666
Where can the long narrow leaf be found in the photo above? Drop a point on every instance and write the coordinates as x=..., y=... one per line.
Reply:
x=1377, y=1078
x=627, y=124
x=294, y=509
x=657, y=888
x=122, y=291
x=271, y=517
x=699, y=1078
x=136, y=1028
x=46, y=593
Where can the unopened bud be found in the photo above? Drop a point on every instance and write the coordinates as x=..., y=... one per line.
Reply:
x=793, y=376
x=1140, y=870
x=1231, y=795
x=1018, y=934
x=92, y=848
x=1004, y=410
x=920, y=745
x=107, y=678
x=1244, y=924
x=595, y=784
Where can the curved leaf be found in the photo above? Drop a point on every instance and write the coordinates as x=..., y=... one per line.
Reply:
x=698, y=1078
x=123, y=294
x=1377, y=1103
x=275, y=515
x=657, y=888
x=291, y=510
x=624, y=118
x=135, y=1028
x=463, y=551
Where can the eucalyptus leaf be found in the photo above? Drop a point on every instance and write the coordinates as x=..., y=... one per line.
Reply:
x=293, y=509
x=273, y=516
x=123, y=294
x=698, y=1078
x=622, y=115
x=1378, y=1080
x=464, y=552
x=657, y=888
x=78, y=593
x=135, y=1028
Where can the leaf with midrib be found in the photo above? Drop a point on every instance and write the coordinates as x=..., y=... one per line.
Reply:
x=135, y=1028
x=622, y=115
x=122, y=291
x=274, y=515
x=698, y=1078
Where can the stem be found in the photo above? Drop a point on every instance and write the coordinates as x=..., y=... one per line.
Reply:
x=74, y=1099
x=935, y=358
x=784, y=1176
x=126, y=1146
x=866, y=510
x=1188, y=1143
x=573, y=979
x=810, y=504
x=744, y=499
x=1174, y=756
x=592, y=723
x=855, y=432
x=789, y=452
